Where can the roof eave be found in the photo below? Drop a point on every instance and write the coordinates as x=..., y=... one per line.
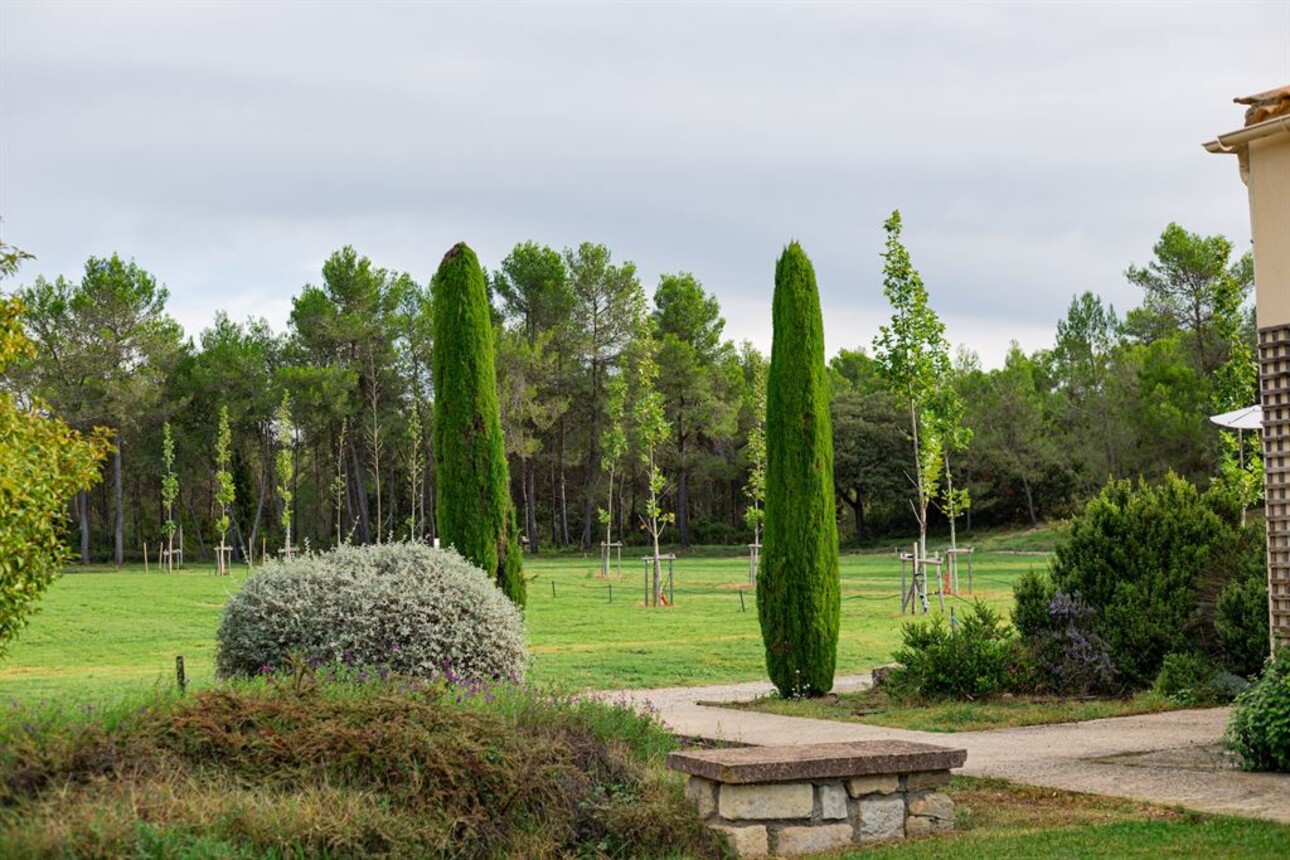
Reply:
x=1235, y=141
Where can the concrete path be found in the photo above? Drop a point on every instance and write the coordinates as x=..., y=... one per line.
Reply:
x=1170, y=758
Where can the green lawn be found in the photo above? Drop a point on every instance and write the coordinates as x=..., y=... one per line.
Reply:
x=102, y=630
x=999, y=819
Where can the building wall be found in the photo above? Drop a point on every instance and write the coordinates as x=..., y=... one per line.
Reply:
x=1269, y=186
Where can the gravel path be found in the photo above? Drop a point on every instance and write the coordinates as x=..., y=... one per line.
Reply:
x=1170, y=758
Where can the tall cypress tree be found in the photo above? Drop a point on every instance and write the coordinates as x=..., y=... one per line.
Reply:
x=798, y=600
x=472, y=490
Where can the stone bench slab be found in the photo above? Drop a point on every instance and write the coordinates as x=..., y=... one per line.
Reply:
x=743, y=765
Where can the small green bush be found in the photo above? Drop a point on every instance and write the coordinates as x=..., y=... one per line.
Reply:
x=941, y=663
x=1259, y=731
x=1149, y=560
x=1190, y=678
x=1241, y=620
x=404, y=607
x=1032, y=594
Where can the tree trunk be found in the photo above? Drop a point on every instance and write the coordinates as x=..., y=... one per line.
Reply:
x=856, y=502
x=1030, y=501
x=564, y=496
x=359, y=484
x=83, y=514
x=119, y=527
x=238, y=542
x=197, y=530
x=259, y=512
x=529, y=479
x=683, y=504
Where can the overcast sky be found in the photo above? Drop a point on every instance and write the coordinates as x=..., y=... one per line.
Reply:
x=1035, y=150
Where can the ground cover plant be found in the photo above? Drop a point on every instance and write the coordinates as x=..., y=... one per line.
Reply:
x=996, y=819
x=875, y=707
x=318, y=764
x=1259, y=732
x=102, y=630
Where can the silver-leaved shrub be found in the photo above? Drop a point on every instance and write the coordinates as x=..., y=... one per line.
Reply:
x=403, y=607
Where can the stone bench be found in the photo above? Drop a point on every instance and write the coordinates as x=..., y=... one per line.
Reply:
x=788, y=800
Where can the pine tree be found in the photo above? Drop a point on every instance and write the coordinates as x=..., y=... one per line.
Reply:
x=798, y=602
x=472, y=486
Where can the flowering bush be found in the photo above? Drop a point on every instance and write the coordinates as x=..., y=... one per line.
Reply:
x=1069, y=658
x=402, y=607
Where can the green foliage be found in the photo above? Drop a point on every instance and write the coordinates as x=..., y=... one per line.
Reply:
x=652, y=432
x=169, y=480
x=1192, y=285
x=43, y=462
x=695, y=378
x=402, y=607
x=941, y=663
x=284, y=470
x=1259, y=731
x=1192, y=680
x=912, y=356
x=798, y=601
x=1241, y=620
x=1141, y=557
x=225, y=492
x=755, y=451
x=614, y=445
x=1031, y=595
x=472, y=487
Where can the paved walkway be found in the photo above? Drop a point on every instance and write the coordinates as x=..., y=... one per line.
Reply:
x=1170, y=758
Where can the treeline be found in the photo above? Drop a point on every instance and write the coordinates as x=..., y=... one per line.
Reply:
x=1112, y=397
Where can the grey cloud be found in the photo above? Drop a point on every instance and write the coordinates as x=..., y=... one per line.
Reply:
x=1035, y=149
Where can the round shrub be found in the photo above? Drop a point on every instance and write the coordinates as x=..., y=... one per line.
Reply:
x=1150, y=562
x=403, y=607
x=973, y=661
x=1259, y=732
x=1190, y=678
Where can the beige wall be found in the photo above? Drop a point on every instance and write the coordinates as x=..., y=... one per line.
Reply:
x=1269, y=182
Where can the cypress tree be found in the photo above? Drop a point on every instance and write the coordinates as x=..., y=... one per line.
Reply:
x=798, y=602
x=472, y=490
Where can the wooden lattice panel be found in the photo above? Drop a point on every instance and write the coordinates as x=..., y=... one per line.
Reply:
x=1274, y=388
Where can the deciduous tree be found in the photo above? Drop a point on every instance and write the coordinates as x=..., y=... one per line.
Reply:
x=43, y=462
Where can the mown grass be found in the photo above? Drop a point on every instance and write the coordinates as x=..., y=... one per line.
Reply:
x=100, y=631
x=876, y=708
x=999, y=819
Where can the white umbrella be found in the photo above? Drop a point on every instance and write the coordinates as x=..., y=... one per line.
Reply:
x=1249, y=418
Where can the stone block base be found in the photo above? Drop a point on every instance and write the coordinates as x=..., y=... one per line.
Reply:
x=785, y=802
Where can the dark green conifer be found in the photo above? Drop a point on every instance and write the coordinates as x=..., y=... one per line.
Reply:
x=472, y=481
x=797, y=582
